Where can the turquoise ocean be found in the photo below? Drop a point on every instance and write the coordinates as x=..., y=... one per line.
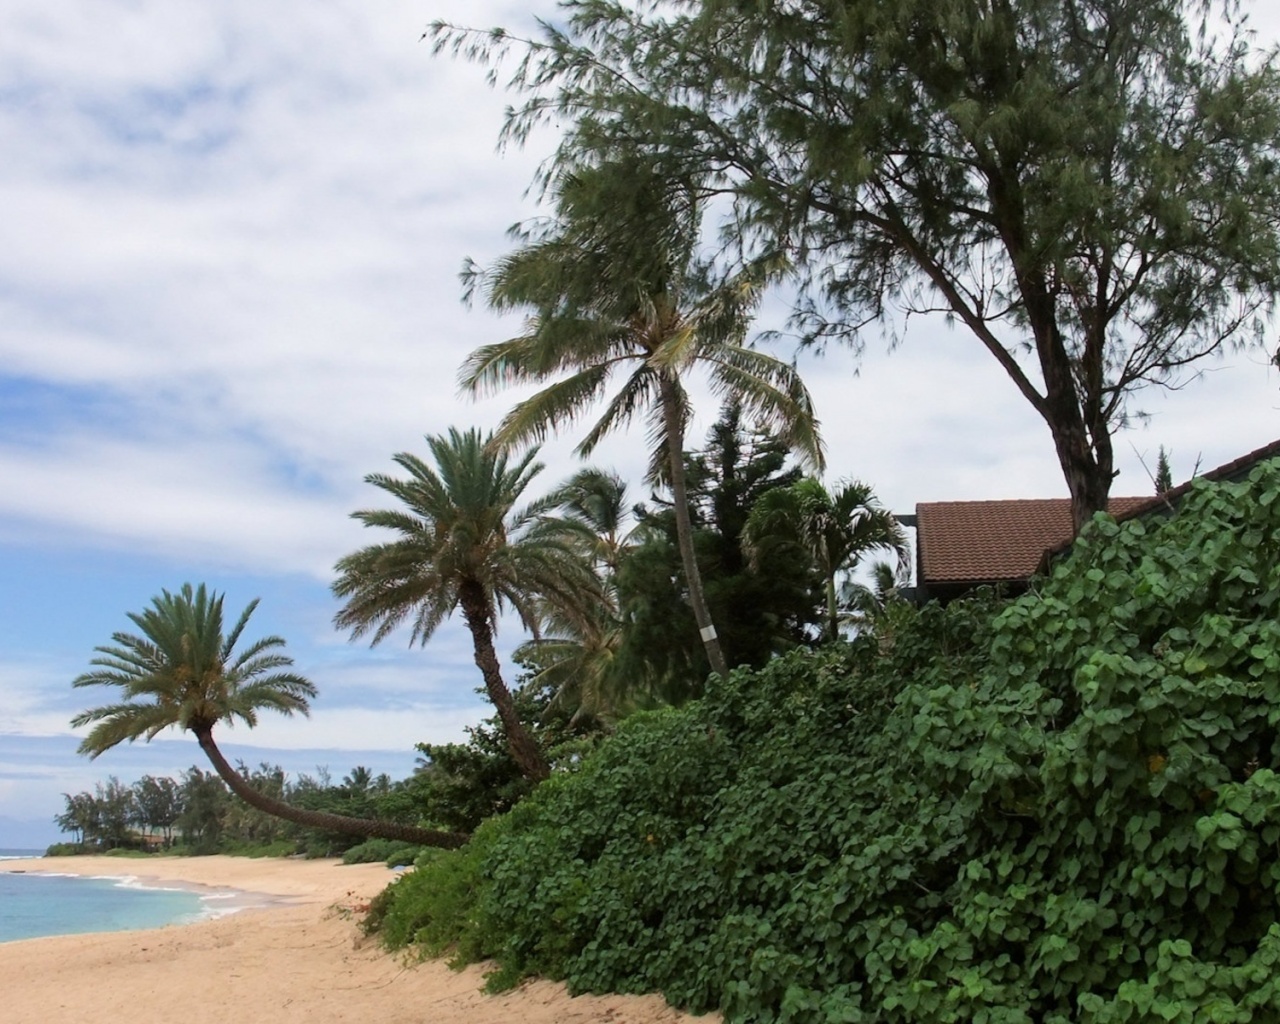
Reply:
x=34, y=905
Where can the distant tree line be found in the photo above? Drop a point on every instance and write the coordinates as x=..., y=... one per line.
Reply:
x=196, y=811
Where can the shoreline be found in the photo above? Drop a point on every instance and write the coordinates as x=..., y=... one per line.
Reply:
x=215, y=900
x=300, y=957
x=267, y=878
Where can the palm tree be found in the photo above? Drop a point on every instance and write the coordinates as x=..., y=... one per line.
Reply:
x=183, y=670
x=835, y=529
x=576, y=660
x=615, y=284
x=868, y=603
x=462, y=544
x=575, y=654
x=593, y=505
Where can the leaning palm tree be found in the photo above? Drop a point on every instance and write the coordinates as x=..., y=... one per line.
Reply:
x=615, y=283
x=835, y=529
x=183, y=670
x=462, y=544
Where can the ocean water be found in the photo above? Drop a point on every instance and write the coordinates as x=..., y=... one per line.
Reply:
x=34, y=905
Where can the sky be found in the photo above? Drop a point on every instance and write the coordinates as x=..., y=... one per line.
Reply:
x=229, y=290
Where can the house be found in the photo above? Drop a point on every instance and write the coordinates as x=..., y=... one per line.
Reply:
x=962, y=545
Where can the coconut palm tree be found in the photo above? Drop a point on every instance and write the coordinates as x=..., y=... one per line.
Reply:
x=182, y=670
x=835, y=529
x=615, y=283
x=462, y=544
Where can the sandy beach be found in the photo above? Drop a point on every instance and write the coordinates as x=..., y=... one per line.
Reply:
x=297, y=957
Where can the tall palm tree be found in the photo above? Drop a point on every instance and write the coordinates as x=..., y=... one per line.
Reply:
x=183, y=670
x=615, y=283
x=836, y=529
x=462, y=544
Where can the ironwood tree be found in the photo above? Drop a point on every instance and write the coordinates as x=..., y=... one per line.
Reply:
x=1089, y=189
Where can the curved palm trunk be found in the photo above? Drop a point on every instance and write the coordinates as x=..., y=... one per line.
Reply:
x=321, y=819
x=524, y=748
x=684, y=527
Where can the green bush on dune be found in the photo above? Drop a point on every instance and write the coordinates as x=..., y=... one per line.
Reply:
x=391, y=852
x=1064, y=809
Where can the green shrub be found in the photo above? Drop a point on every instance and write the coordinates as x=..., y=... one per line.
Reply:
x=433, y=906
x=1063, y=810
x=392, y=852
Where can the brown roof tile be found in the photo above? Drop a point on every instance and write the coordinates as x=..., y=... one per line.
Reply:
x=991, y=541
x=975, y=542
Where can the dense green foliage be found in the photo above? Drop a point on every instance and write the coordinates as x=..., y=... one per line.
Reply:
x=759, y=609
x=1063, y=810
x=459, y=785
x=382, y=851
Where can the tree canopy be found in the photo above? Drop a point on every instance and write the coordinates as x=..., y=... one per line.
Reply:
x=616, y=282
x=1090, y=190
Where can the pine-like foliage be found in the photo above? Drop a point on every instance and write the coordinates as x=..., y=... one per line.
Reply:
x=1086, y=190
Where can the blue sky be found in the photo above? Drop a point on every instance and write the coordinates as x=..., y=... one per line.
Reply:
x=229, y=290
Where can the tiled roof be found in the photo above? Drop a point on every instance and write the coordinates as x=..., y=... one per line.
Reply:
x=976, y=542
x=992, y=541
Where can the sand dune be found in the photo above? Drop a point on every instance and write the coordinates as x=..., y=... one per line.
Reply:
x=297, y=957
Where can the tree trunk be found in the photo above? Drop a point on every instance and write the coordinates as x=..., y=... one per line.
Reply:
x=320, y=819
x=672, y=415
x=1087, y=481
x=1071, y=405
x=833, y=611
x=524, y=748
x=1087, y=467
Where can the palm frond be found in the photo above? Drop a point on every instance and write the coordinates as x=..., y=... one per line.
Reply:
x=558, y=404
x=772, y=393
x=638, y=393
x=184, y=671
x=492, y=367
